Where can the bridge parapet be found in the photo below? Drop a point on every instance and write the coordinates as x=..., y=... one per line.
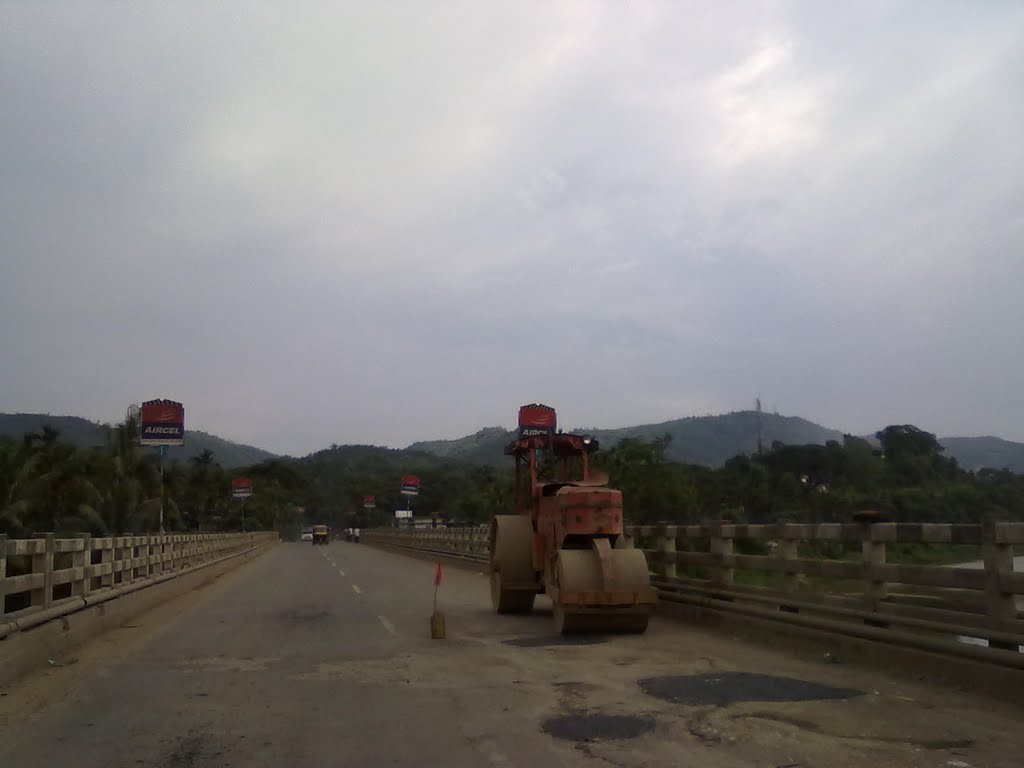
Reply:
x=832, y=577
x=45, y=577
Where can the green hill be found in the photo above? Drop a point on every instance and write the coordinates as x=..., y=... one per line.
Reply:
x=712, y=440
x=973, y=453
x=706, y=440
x=84, y=433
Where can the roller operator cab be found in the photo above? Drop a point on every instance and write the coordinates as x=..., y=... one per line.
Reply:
x=567, y=537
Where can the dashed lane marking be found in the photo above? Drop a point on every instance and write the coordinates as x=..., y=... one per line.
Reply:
x=356, y=589
x=388, y=625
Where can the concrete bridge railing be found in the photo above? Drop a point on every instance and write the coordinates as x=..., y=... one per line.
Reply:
x=971, y=612
x=468, y=543
x=44, y=577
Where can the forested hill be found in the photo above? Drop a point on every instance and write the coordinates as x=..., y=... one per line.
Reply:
x=705, y=440
x=83, y=433
x=973, y=453
x=712, y=440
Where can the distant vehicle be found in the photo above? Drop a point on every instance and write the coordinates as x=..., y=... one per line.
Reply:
x=321, y=534
x=307, y=534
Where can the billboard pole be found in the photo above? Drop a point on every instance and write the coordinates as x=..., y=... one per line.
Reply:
x=241, y=489
x=163, y=449
x=162, y=423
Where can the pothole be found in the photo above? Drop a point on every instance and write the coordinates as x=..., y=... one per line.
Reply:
x=720, y=688
x=555, y=640
x=596, y=727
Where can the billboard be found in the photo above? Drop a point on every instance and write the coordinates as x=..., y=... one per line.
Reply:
x=241, y=487
x=410, y=485
x=162, y=422
x=403, y=514
x=536, y=419
x=369, y=502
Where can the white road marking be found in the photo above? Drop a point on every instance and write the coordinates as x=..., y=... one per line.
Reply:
x=356, y=589
x=388, y=625
x=341, y=572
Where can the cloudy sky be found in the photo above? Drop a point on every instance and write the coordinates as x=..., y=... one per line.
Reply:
x=390, y=221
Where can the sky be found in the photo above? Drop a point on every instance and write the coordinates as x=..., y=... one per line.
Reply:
x=335, y=222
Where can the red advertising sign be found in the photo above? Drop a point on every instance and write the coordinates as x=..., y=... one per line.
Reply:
x=241, y=487
x=536, y=419
x=410, y=485
x=162, y=422
x=369, y=502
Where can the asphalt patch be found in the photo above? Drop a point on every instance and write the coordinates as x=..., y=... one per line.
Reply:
x=298, y=617
x=587, y=727
x=555, y=640
x=720, y=688
x=189, y=752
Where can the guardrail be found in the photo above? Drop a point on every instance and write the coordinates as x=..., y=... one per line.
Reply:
x=44, y=577
x=971, y=612
x=464, y=543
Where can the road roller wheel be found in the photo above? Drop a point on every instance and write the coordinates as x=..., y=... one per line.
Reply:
x=509, y=600
x=580, y=571
x=513, y=580
x=569, y=621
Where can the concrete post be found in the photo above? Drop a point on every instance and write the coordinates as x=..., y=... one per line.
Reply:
x=873, y=555
x=998, y=557
x=83, y=559
x=43, y=563
x=722, y=546
x=107, y=558
x=3, y=571
x=667, y=551
x=787, y=550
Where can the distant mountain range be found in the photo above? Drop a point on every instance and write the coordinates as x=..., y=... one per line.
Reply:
x=712, y=440
x=706, y=440
x=84, y=433
x=977, y=452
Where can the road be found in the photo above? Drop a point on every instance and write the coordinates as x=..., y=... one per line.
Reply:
x=321, y=656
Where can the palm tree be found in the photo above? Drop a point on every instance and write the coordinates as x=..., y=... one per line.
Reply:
x=206, y=489
x=131, y=481
x=47, y=484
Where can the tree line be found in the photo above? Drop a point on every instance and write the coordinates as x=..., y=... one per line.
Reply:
x=905, y=477
x=46, y=484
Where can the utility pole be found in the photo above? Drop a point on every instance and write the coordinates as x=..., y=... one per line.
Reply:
x=760, y=427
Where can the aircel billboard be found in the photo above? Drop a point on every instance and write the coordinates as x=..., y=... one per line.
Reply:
x=241, y=487
x=162, y=422
x=410, y=485
x=536, y=419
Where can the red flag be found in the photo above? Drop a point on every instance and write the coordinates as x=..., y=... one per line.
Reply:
x=437, y=576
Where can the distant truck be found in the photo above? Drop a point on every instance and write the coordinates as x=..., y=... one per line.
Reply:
x=321, y=534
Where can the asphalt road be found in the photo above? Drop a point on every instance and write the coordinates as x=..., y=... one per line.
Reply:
x=321, y=656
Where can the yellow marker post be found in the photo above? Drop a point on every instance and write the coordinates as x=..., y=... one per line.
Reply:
x=437, y=628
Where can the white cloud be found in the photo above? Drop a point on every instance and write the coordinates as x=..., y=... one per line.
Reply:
x=426, y=210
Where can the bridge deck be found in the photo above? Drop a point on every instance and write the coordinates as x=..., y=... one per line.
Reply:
x=320, y=656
